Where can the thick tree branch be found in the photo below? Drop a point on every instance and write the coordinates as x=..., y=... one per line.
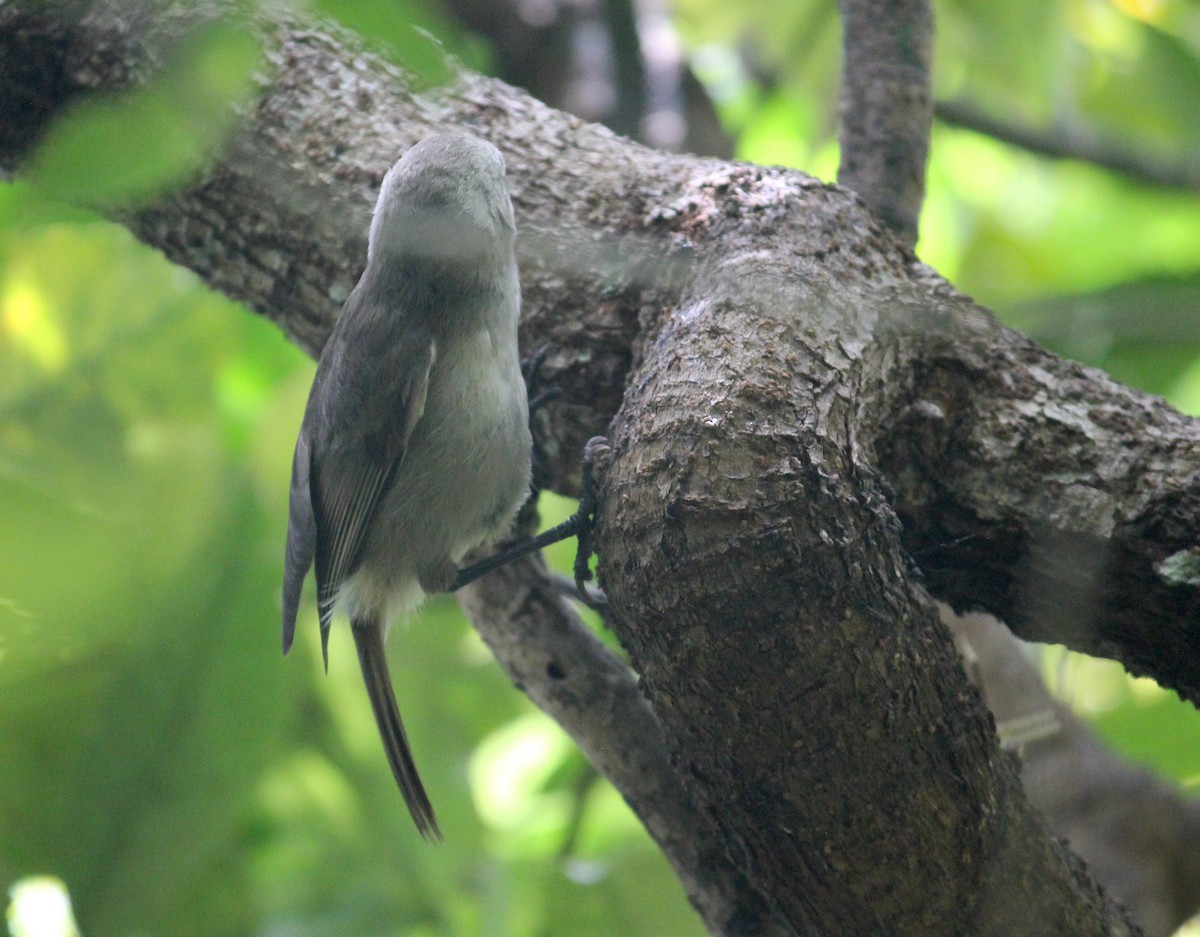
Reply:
x=1064, y=142
x=1043, y=492
x=724, y=538
x=1138, y=835
x=547, y=651
x=765, y=347
x=886, y=107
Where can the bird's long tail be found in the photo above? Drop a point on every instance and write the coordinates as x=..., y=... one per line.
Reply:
x=368, y=638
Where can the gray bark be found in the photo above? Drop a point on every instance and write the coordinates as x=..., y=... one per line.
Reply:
x=886, y=107
x=811, y=433
x=1139, y=837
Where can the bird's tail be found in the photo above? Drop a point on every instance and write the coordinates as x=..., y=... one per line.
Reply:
x=368, y=638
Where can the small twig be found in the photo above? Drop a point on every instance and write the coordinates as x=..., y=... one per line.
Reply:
x=1067, y=142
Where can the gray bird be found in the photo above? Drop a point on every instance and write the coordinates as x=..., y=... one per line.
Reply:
x=415, y=445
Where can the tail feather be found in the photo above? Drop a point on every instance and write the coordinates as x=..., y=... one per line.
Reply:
x=368, y=638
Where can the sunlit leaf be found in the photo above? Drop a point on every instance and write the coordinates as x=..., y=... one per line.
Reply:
x=413, y=33
x=129, y=146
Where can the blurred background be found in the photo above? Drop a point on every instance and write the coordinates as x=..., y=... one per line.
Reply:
x=164, y=771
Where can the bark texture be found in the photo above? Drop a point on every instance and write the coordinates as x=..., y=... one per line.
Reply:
x=1136, y=833
x=568, y=672
x=887, y=107
x=811, y=432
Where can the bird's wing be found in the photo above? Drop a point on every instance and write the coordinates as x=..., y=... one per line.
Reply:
x=355, y=433
x=301, y=539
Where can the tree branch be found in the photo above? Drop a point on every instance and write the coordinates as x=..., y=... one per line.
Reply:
x=887, y=107
x=764, y=346
x=1047, y=494
x=628, y=67
x=1065, y=142
x=547, y=651
x=780, y=667
x=1138, y=835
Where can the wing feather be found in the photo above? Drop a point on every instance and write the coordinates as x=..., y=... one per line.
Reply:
x=301, y=539
x=360, y=416
x=368, y=416
x=346, y=524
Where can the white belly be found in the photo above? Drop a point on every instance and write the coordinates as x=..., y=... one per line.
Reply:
x=464, y=476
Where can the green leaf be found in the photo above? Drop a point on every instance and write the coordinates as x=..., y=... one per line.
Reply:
x=412, y=33
x=128, y=147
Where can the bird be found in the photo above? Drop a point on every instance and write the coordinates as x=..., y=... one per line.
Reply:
x=415, y=448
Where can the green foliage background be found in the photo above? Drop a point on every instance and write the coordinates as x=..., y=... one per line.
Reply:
x=159, y=756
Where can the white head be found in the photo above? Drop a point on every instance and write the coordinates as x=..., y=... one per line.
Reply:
x=445, y=198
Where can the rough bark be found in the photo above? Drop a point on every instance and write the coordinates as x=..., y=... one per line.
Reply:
x=799, y=411
x=1139, y=837
x=1061, y=502
x=568, y=672
x=754, y=561
x=887, y=107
